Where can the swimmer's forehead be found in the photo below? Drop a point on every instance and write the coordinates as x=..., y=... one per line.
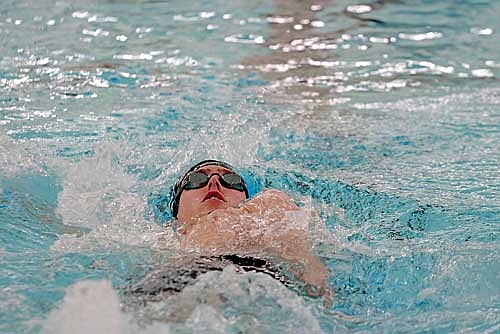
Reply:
x=210, y=169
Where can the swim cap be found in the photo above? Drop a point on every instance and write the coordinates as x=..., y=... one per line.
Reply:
x=177, y=189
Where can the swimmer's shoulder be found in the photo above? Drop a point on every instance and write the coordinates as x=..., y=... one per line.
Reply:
x=269, y=198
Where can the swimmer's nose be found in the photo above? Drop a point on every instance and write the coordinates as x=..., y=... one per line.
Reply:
x=214, y=183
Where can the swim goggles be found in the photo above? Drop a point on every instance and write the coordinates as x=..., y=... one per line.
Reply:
x=197, y=180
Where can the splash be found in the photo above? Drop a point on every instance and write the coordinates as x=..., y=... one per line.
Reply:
x=228, y=301
x=102, y=199
x=14, y=160
x=218, y=302
x=94, y=307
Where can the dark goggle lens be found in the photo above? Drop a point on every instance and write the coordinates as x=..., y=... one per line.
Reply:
x=233, y=181
x=195, y=181
x=199, y=180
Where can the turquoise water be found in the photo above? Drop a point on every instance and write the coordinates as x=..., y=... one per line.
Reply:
x=382, y=117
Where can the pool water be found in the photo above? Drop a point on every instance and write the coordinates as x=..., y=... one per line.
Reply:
x=383, y=117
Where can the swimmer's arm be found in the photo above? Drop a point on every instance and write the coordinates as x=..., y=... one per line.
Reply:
x=291, y=242
x=295, y=247
x=271, y=202
x=260, y=225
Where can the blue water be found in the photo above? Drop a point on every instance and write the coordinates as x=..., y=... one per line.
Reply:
x=382, y=117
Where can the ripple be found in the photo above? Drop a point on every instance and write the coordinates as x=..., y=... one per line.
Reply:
x=121, y=38
x=421, y=37
x=15, y=82
x=178, y=61
x=245, y=39
x=492, y=63
x=317, y=24
x=34, y=61
x=381, y=40
x=193, y=17
x=321, y=63
x=95, y=33
x=80, y=15
x=482, y=31
x=359, y=9
x=482, y=73
x=141, y=56
x=98, y=82
x=102, y=19
x=280, y=19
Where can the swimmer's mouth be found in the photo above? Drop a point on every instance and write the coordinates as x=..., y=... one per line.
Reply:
x=214, y=195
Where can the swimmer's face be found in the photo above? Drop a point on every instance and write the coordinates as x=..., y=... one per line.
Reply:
x=214, y=195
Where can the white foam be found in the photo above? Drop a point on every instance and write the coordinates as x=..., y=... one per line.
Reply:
x=92, y=187
x=99, y=195
x=218, y=302
x=115, y=237
x=226, y=134
x=229, y=301
x=13, y=159
x=94, y=307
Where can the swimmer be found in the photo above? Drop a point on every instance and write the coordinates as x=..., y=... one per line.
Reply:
x=215, y=217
